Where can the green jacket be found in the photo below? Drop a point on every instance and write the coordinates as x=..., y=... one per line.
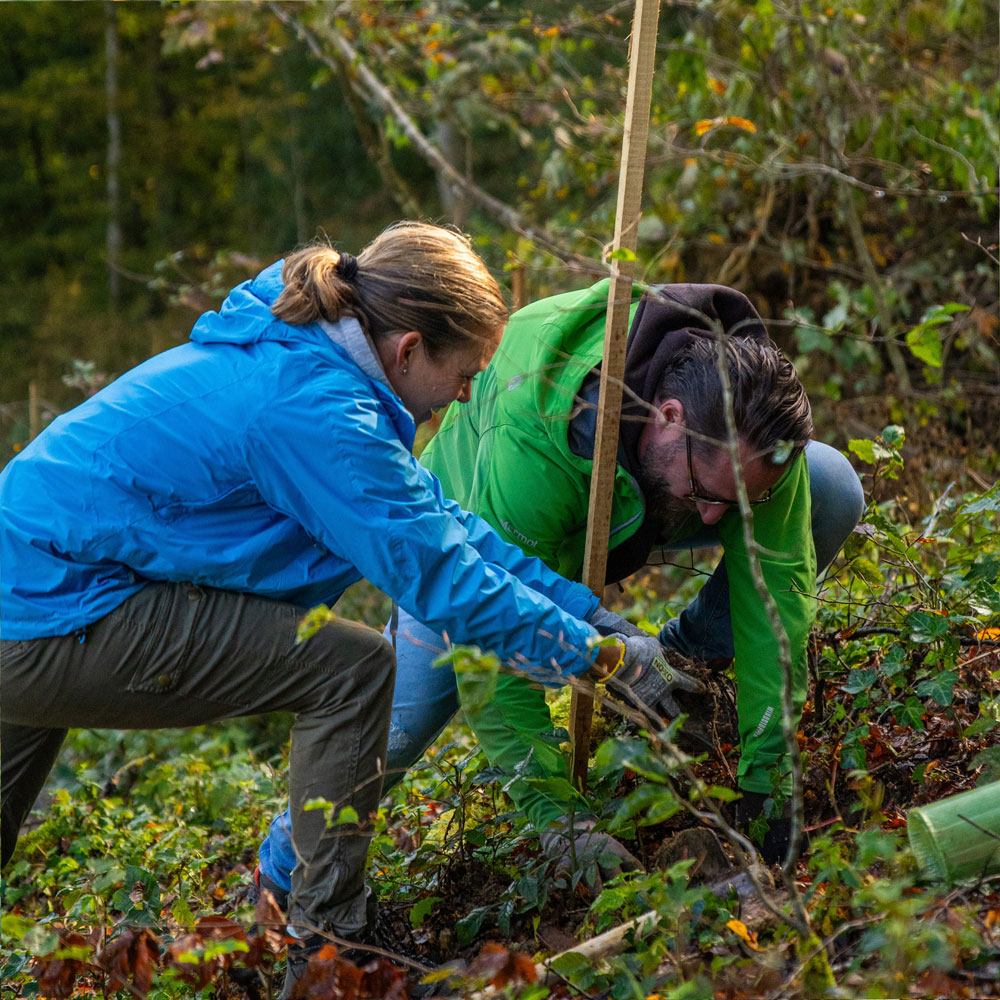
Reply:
x=505, y=455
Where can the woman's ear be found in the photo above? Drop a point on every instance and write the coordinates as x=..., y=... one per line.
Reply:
x=406, y=344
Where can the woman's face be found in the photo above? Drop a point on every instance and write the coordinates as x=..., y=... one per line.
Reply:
x=426, y=384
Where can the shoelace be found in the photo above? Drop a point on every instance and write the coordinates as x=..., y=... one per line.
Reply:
x=382, y=934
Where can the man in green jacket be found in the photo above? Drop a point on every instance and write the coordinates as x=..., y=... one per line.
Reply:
x=519, y=454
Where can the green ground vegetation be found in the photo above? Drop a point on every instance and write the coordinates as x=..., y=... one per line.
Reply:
x=837, y=162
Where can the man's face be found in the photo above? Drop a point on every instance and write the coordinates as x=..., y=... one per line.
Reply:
x=656, y=480
x=665, y=478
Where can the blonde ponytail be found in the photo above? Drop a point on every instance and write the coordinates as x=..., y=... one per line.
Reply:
x=314, y=289
x=413, y=276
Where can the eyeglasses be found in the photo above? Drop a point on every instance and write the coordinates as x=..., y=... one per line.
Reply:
x=695, y=496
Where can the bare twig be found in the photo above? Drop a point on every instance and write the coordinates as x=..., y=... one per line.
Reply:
x=604, y=945
x=864, y=256
x=373, y=89
x=986, y=250
x=845, y=635
x=788, y=721
x=328, y=935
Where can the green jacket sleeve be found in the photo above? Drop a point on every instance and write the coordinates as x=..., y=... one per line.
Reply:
x=788, y=562
x=513, y=473
x=511, y=728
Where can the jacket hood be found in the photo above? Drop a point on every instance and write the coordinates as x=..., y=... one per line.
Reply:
x=245, y=316
x=668, y=317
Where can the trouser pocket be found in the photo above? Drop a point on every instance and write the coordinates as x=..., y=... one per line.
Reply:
x=164, y=619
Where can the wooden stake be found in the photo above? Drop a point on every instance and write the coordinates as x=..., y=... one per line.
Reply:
x=642, y=57
x=34, y=411
x=520, y=288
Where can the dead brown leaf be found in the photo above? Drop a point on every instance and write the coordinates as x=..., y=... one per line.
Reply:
x=328, y=977
x=185, y=953
x=500, y=966
x=130, y=959
x=57, y=976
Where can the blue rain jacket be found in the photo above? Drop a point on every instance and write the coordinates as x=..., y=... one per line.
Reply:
x=261, y=458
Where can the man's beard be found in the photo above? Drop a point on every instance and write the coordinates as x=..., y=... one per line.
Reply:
x=667, y=510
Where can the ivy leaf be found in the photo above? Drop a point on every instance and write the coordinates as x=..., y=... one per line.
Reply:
x=503, y=917
x=925, y=345
x=871, y=451
x=986, y=569
x=632, y=753
x=894, y=436
x=859, y=680
x=924, y=627
x=527, y=889
x=656, y=802
x=989, y=761
x=910, y=713
x=989, y=502
x=940, y=687
x=894, y=662
x=180, y=910
x=347, y=815
x=867, y=570
x=468, y=926
x=575, y=969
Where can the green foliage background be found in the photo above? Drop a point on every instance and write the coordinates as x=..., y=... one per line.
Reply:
x=837, y=162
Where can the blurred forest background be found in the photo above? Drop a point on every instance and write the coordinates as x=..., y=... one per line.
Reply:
x=836, y=162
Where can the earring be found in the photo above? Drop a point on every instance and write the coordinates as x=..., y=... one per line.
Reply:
x=405, y=370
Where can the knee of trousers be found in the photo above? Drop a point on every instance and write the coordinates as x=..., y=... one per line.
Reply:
x=838, y=500
x=367, y=666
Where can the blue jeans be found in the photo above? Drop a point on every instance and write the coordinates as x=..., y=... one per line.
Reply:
x=426, y=697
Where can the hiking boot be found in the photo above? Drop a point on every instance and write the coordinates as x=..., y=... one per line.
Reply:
x=260, y=882
x=377, y=939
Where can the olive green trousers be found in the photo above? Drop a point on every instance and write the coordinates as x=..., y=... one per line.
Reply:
x=182, y=655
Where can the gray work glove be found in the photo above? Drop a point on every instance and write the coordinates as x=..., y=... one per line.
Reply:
x=608, y=623
x=646, y=677
x=597, y=855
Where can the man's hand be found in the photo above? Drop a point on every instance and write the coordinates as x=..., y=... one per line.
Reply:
x=597, y=855
x=648, y=678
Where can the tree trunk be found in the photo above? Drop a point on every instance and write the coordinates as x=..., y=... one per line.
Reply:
x=454, y=200
x=114, y=228
x=295, y=157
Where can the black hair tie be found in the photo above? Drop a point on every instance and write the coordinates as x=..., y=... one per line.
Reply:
x=347, y=266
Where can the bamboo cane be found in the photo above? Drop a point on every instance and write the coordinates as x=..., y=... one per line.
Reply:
x=34, y=411
x=642, y=57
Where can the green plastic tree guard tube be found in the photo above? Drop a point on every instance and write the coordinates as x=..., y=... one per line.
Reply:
x=957, y=839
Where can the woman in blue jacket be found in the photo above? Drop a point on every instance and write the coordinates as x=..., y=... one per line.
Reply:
x=160, y=541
